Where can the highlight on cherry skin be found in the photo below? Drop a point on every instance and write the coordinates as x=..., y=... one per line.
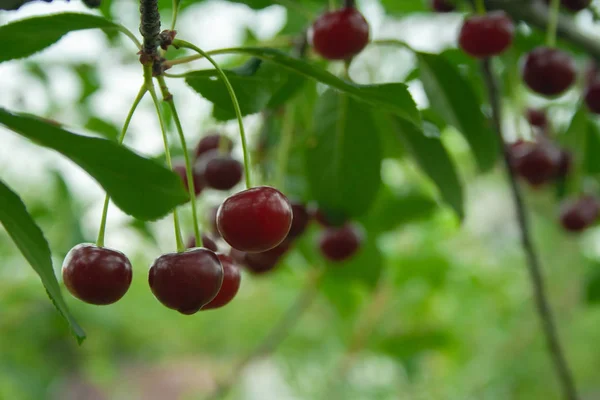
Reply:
x=96, y=275
x=255, y=220
x=186, y=281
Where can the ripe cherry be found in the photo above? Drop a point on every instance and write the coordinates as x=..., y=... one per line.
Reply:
x=578, y=214
x=443, y=6
x=219, y=171
x=300, y=220
x=255, y=220
x=212, y=142
x=536, y=118
x=198, y=181
x=96, y=275
x=207, y=242
x=339, y=244
x=341, y=34
x=231, y=283
x=186, y=281
x=592, y=96
x=537, y=163
x=483, y=36
x=266, y=261
x=548, y=71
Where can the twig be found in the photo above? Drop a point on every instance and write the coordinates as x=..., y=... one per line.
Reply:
x=533, y=263
x=149, y=27
x=277, y=335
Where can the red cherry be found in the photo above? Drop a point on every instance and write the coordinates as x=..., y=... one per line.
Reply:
x=198, y=181
x=186, y=281
x=339, y=244
x=443, y=6
x=96, y=275
x=238, y=256
x=266, y=261
x=536, y=118
x=341, y=34
x=231, y=283
x=548, y=71
x=207, y=242
x=255, y=220
x=578, y=214
x=537, y=163
x=483, y=36
x=220, y=171
x=211, y=142
x=592, y=96
x=300, y=220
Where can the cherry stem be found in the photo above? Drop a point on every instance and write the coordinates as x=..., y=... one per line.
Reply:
x=136, y=102
x=332, y=5
x=175, y=12
x=534, y=267
x=287, y=132
x=150, y=88
x=177, y=43
x=130, y=35
x=552, y=23
x=349, y=3
x=278, y=333
x=189, y=171
x=480, y=6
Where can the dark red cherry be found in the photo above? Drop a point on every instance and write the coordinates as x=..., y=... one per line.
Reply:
x=238, y=256
x=341, y=34
x=211, y=142
x=96, y=275
x=300, y=220
x=548, y=71
x=260, y=263
x=207, y=242
x=564, y=164
x=487, y=35
x=231, y=283
x=592, y=96
x=220, y=171
x=537, y=163
x=186, y=281
x=255, y=220
x=339, y=244
x=536, y=117
x=443, y=6
x=198, y=182
x=578, y=214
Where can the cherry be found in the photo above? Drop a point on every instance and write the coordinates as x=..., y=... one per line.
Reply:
x=238, y=256
x=260, y=263
x=186, y=281
x=212, y=219
x=537, y=163
x=300, y=220
x=231, y=283
x=341, y=34
x=219, y=171
x=96, y=275
x=564, y=164
x=592, y=96
x=578, y=214
x=574, y=5
x=548, y=71
x=536, y=118
x=339, y=244
x=443, y=6
x=591, y=72
x=207, y=242
x=255, y=220
x=211, y=142
x=483, y=36
x=198, y=181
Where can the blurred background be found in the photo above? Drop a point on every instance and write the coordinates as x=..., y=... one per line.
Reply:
x=447, y=306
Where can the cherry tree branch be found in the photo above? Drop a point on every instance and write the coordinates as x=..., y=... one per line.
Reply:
x=533, y=262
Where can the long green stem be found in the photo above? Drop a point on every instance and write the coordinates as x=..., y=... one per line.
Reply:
x=138, y=98
x=188, y=164
x=182, y=43
x=130, y=35
x=480, y=6
x=150, y=88
x=287, y=132
x=552, y=23
x=175, y=12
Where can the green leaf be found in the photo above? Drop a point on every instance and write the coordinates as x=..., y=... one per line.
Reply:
x=393, y=209
x=138, y=186
x=592, y=149
x=432, y=157
x=257, y=86
x=408, y=345
x=455, y=100
x=364, y=268
x=592, y=286
x=404, y=6
x=391, y=97
x=343, y=156
x=100, y=126
x=31, y=242
x=28, y=36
